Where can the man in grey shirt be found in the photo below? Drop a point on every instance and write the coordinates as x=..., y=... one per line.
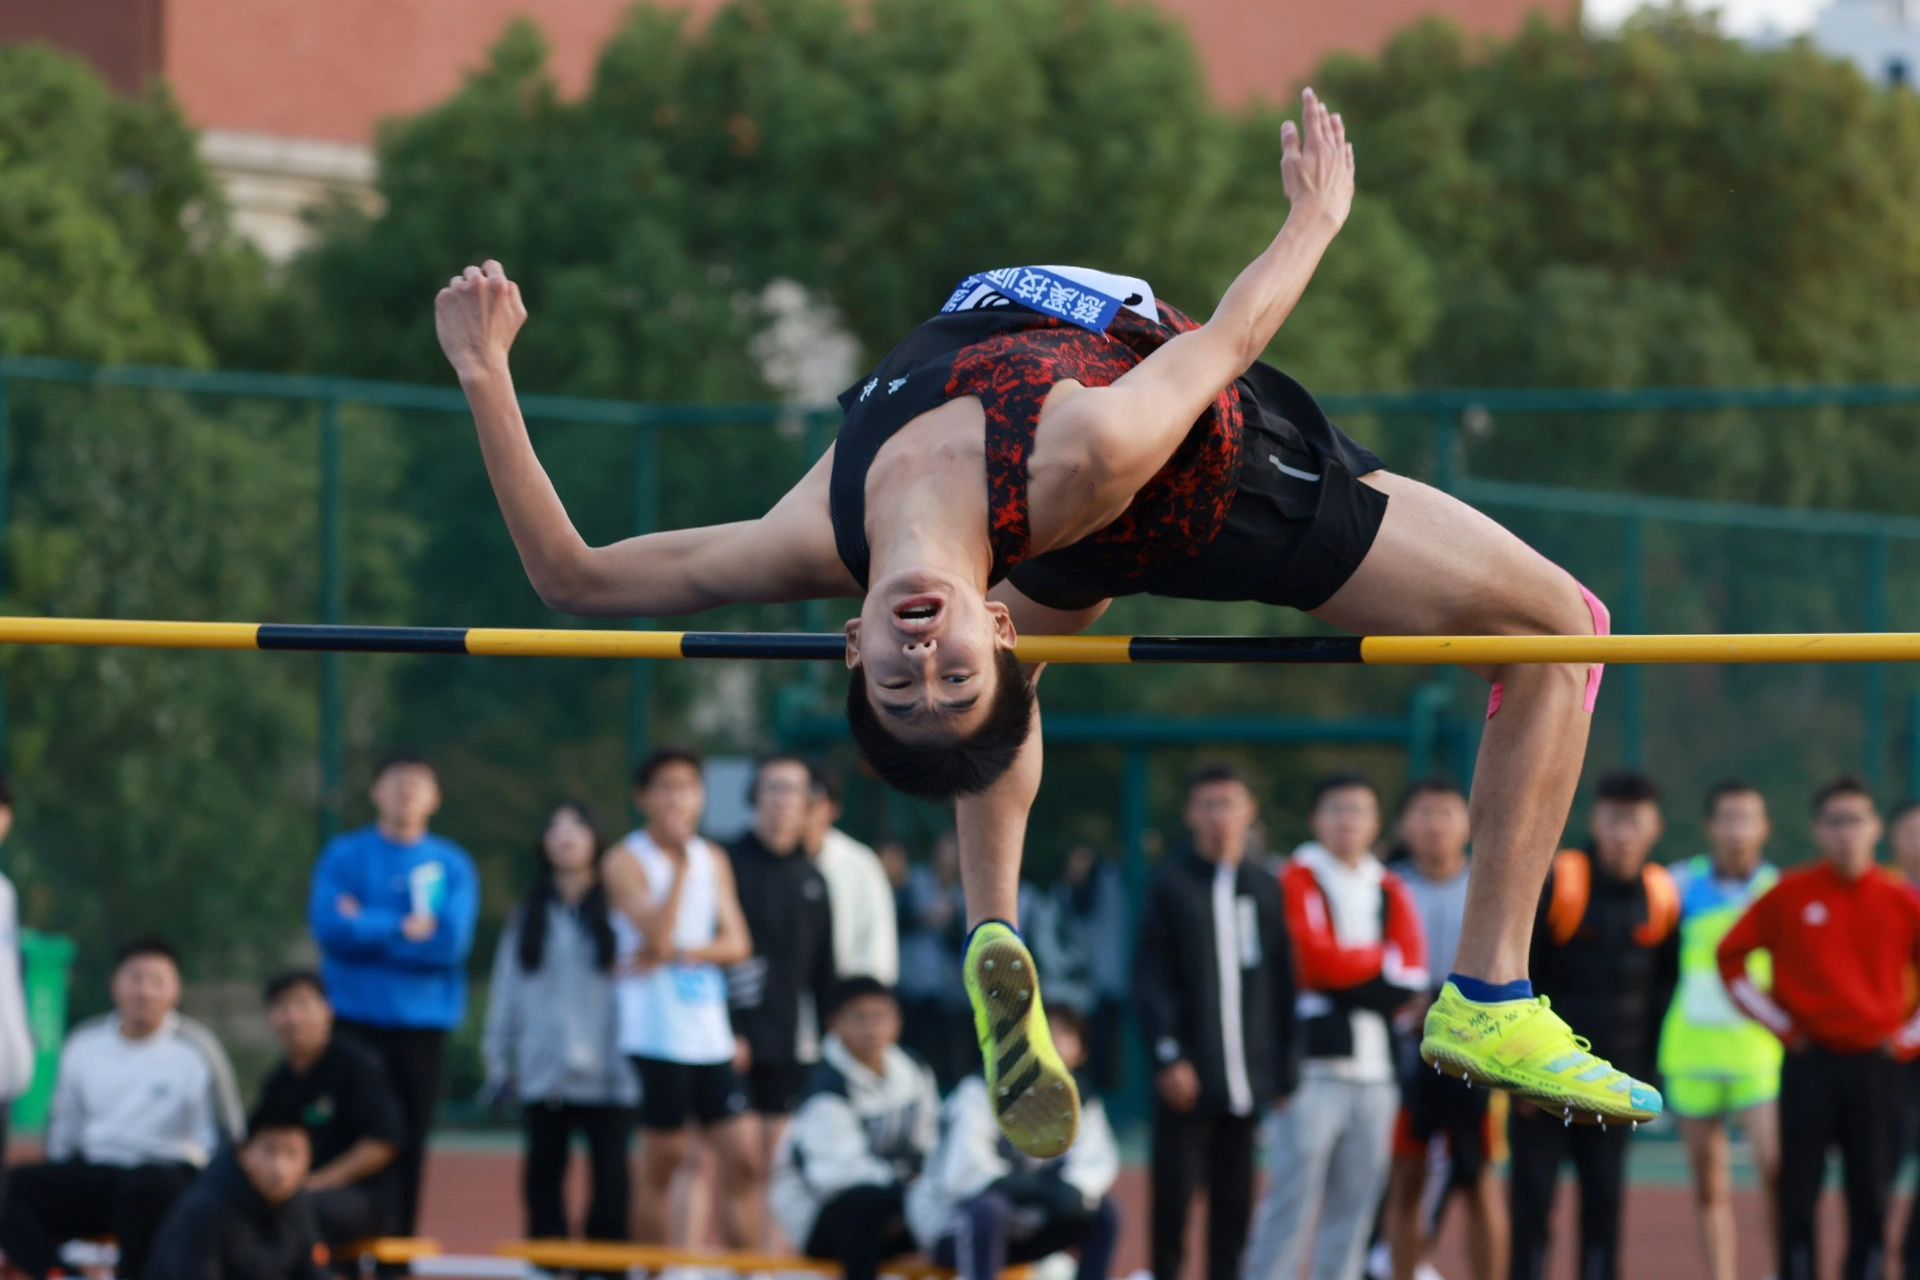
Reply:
x=1433, y=836
x=145, y=1096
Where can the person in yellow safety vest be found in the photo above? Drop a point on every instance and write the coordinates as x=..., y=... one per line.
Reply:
x=1717, y=1063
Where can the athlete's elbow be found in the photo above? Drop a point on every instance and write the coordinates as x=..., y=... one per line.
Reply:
x=560, y=592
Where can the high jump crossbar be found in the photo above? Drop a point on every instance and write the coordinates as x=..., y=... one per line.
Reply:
x=1395, y=651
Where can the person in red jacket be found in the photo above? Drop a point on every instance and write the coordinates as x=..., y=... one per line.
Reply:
x=1361, y=957
x=1845, y=937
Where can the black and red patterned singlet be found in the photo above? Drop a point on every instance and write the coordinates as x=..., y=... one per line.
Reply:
x=1169, y=540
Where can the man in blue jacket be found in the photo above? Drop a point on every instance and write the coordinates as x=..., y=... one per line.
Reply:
x=393, y=909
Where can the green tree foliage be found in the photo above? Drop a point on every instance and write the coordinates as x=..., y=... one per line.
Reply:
x=113, y=243
x=166, y=792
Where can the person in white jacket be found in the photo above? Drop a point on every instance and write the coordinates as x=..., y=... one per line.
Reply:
x=864, y=1129
x=866, y=924
x=16, y=1041
x=981, y=1204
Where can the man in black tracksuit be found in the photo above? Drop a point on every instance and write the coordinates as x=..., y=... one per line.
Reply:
x=778, y=995
x=1214, y=991
x=1606, y=950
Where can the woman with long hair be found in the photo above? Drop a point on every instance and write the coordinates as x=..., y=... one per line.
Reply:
x=552, y=1036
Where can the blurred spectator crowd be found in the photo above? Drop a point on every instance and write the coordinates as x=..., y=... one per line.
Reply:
x=782, y=1021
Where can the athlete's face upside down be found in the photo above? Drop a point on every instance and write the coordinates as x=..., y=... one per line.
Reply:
x=926, y=648
x=939, y=704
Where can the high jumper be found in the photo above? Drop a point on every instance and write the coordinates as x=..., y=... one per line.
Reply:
x=1057, y=437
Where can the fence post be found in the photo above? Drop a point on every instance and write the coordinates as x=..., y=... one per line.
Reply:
x=1874, y=717
x=1913, y=744
x=6, y=529
x=1633, y=621
x=1446, y=450
x=1424, y=711
x=813, y=614
x=332, y=611
x=646, y=519
x=1135, y=815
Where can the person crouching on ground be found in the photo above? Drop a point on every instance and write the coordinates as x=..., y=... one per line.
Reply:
x=981, y=1204
x=862, y=1134
x=245, y=1218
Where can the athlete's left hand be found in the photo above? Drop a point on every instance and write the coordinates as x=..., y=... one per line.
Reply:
x=1316, y=163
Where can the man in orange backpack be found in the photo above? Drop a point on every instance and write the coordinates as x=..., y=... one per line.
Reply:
x=1606, y=952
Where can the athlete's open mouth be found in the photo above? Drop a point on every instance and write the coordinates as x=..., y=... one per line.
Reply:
x=918, y=613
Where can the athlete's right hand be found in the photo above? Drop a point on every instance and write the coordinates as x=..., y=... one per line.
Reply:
x=477, y=316
x=1316, y=163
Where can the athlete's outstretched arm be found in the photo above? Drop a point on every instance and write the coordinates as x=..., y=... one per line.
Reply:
x=1133, y=426
x=992, y=826
x=787, y=554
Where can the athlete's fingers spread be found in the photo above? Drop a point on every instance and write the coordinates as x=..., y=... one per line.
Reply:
x=1339, y=129
x=1289, y=139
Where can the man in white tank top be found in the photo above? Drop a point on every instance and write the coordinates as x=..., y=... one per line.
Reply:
x=678, y=921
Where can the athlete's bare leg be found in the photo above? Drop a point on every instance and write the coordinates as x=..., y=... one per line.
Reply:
x=1438, y=567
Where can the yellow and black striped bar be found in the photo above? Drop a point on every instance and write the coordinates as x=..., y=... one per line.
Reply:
x=509, y=642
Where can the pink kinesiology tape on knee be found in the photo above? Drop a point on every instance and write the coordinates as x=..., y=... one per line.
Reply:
x=1602, y=626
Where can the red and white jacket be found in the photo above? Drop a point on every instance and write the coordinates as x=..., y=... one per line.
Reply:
x=1362, y=955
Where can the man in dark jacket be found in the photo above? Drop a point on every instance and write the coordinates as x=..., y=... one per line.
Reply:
x=1606, y=950
x=245, y=1219
x=1214, y=989
x=778, y=995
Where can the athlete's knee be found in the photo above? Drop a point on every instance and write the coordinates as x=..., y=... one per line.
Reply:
x=1556, y=604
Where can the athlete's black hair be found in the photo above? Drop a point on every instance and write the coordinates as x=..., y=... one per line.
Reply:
x=940, y=769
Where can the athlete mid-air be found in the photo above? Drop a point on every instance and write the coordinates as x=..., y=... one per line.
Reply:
x=1053, y=438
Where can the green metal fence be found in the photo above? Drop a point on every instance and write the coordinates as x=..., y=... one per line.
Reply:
x=1635, y=549
x=161, y=492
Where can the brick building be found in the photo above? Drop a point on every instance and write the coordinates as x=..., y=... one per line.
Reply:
x=288, y=92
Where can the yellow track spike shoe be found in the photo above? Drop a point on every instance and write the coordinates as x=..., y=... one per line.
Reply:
x=1033, y=1093
x=1524, y=1047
